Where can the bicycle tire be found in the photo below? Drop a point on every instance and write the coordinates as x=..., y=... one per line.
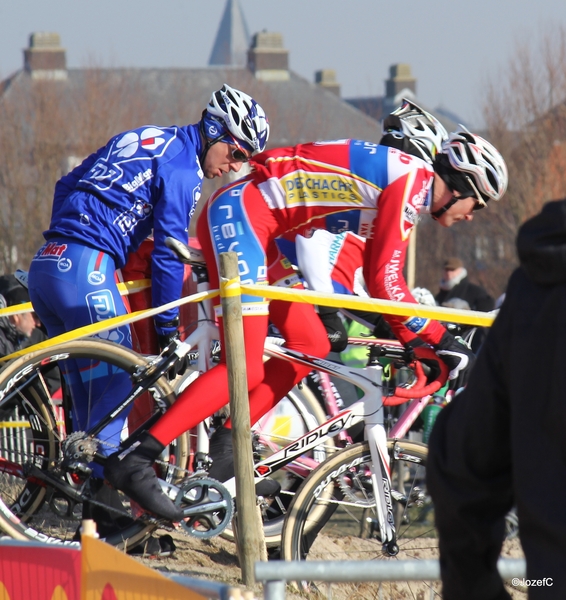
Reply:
x=332, y=516
x=32, y=431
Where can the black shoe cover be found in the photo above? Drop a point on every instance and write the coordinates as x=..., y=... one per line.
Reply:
x=131, y=470
x=222, y=468
x=107, y=521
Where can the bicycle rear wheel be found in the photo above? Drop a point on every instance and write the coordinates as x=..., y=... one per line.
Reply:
x=296, y=414
x=333, y=517
x=48, y=506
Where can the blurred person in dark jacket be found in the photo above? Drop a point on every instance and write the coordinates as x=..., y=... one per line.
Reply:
x=501, y=443
x=26, y=323
x=9, y=337
x=455, y=283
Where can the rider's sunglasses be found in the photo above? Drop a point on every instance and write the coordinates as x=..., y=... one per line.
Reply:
x=438, y=213
x=479, y=205
x=240, y=156
x=237, y=153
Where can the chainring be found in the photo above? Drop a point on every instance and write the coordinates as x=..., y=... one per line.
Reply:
x=208, y=506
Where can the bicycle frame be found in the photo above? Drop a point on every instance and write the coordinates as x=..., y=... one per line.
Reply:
x=369, y=409
x=410, y=414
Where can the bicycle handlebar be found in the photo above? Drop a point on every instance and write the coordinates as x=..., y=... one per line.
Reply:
x=420, y=388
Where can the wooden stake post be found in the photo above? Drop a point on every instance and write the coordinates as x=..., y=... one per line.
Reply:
x=250, y=539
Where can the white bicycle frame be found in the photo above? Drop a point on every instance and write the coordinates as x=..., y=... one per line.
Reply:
x=369, y=409
x=202, y=338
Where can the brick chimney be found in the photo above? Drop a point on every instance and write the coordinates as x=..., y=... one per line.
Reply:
x=267, y=58
x=400, y=78
x=401, y=84
x=44, y=58
x=326, y=78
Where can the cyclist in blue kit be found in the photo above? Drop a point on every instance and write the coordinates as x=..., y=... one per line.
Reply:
x=142, y=182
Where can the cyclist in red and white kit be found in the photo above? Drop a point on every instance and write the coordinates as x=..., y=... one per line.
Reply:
x=333, y=263
x=330, y=262
x=377, y=192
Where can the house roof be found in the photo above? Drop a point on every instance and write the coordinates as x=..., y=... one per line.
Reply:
x=298, y=110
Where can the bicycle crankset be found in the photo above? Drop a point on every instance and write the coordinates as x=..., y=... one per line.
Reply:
x=208, y=506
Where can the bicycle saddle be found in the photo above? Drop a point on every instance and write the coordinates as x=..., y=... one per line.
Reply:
x=185, y=253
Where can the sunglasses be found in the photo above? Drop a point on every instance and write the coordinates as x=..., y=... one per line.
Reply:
x=479, y=204
x=240, y=156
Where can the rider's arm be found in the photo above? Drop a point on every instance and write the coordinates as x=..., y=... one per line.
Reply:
x=179, y=190
x=398, y=208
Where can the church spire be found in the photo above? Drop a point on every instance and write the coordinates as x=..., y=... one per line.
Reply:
x=232, y=39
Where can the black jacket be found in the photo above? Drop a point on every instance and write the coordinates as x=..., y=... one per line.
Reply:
x=473, y=294
x=10, y=340
x=502, y=441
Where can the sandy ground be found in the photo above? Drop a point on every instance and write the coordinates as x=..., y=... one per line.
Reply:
x=216, y=560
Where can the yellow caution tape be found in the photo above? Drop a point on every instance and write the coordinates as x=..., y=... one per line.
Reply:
x=408, y=309
x=125, y=288
x=230, y=287
x=113, y=323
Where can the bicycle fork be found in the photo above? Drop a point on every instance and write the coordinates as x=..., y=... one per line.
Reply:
x=381, y=483
x=380, y=469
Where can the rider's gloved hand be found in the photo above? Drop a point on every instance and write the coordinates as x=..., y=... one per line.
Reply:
x=457, y=355
x=164, y=338
x=431, y=366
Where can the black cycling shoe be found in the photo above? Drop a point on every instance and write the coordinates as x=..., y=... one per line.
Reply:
x=222, y=469
x=131, y=470
x=154, y=547
x=108, y=522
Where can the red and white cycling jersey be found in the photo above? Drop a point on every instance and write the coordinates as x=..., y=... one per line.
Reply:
x=373, y=191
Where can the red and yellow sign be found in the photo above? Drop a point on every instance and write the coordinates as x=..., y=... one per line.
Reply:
x=39, y=573
x=109, y=574
x=96, y=572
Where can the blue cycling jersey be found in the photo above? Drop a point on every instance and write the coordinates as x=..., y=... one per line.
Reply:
x=145, y=179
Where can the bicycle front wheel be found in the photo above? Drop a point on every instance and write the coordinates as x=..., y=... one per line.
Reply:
x=333, y=514
x=40, y=498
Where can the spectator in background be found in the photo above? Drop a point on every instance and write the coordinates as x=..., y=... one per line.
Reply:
x=8, y=334
x=25, y=323
x=17, y=331
x=455, y=284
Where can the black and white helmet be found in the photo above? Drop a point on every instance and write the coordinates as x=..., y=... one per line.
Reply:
x=475, y=156
x=242, y=116
x=423, y=134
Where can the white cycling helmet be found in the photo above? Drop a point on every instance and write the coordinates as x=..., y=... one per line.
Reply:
x=242, y=116
x=423, y=131
x=475, y=156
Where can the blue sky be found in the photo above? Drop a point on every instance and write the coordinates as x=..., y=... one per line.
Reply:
x=451, y=45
